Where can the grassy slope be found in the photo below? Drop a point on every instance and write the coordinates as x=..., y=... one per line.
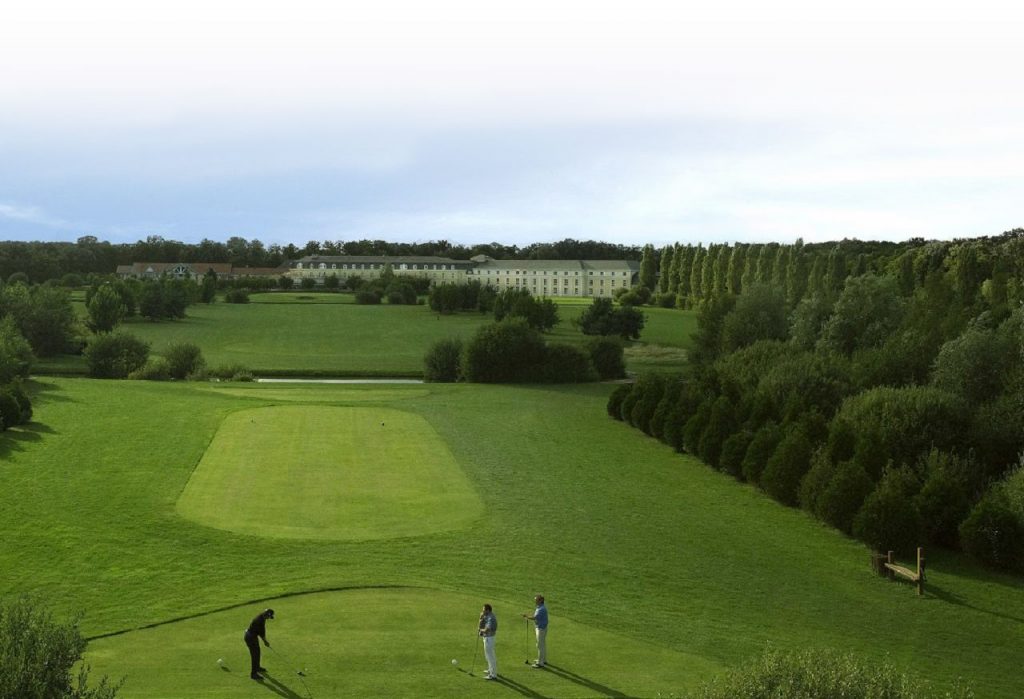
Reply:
x=621, y=534
x=329, y=335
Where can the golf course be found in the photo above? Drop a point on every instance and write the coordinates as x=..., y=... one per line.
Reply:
x=376, y=519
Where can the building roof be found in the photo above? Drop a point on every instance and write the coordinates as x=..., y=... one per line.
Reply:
x=380, y=259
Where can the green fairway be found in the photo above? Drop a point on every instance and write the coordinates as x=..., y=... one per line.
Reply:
x=356, y=473
x=658, y=570
x=322, y=334
x=401, y=642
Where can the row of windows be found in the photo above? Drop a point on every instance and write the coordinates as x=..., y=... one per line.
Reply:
x=517, y=272
x=370, y=265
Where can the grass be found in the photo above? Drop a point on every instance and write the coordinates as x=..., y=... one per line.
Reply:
x=358, y=473
x=658, y=571
x=323, y=334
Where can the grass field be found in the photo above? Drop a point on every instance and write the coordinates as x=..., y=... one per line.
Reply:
x=321, y=334
x=658, y=571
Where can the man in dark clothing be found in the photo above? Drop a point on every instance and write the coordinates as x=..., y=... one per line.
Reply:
x=257, y=630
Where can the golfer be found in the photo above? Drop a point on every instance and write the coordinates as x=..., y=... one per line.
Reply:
x=257, y=630
x=540, y=622
x=487, y=628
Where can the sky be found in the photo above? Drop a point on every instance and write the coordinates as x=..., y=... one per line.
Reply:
x=514, y=122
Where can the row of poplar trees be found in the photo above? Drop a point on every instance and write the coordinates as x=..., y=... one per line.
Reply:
x=879, y=386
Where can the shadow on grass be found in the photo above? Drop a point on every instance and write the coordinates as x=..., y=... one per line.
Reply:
x=43, y=392
x=517, y=687
x=598, y=689
x=959, y=565
x=13, y=439
x=950, y=598
x=279, y=688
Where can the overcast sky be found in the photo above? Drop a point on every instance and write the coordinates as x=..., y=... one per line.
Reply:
x=516, y=122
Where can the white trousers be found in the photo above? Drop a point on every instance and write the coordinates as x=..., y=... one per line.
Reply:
x=492, y=659
x=542, y=646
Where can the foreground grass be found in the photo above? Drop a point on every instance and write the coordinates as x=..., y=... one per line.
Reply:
x=630, y=543
x=322, y=334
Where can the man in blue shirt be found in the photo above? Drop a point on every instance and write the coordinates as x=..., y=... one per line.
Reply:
x=540, y=621
x=487, y=629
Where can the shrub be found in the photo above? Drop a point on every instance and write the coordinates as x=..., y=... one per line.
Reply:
x=665, y=300
x=116, y=355
x=237, y=295
x=614, y=406
x=441, y=363
x=759, y=314
x=39, y=655
x=607, y=355
x=889, y=519
x=156, y=369
x=996, y=433
x=649, y=390
x=567, y=364
x=10, y=411
x=695, y=426
x=24, y=402
x=18, y=278
x=843, y=496
x=367, y=297
x=183, y=359
x=307, y=283
x=787, y=466
x=721, y=423
x=975, y=365
x=946, y=495
x=602, y=318
x=285, y=282
x=760, y=450
x=226, y=371
x=15, y=352
x=733, y=450
x=819, y=674
x=332, y=282
x=505, y=352
x=993, y=534
x=244, y=376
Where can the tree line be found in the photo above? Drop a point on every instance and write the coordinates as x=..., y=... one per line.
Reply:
x=878, y=386
x=42, y=261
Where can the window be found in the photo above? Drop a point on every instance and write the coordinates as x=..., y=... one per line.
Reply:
x=298, y=265
x=334, y=265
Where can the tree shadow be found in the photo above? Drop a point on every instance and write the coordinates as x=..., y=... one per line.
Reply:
x=950, y=598
x=43, y=392
x=14, y=439
x=958, y=565
x=595, y=687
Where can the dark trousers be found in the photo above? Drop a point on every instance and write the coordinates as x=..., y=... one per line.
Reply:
x=253, y=643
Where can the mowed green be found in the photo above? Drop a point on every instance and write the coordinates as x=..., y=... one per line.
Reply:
x=643, y=554
x=295, y=334
x=355, y=473
x=394, y=642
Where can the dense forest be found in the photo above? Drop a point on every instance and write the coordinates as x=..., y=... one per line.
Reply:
x=878, y=386
x=42, y=261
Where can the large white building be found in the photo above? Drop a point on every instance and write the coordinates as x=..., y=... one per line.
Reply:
x=540, y=277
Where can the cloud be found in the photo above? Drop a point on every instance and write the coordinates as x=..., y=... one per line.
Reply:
x=32, y=215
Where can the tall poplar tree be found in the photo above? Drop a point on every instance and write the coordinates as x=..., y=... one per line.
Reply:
x=696, y=267
x=648, y=268
x=667, y=257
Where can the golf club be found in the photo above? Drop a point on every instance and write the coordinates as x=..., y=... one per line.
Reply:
x=301, y=673
x=527, y=653
x=476, y=653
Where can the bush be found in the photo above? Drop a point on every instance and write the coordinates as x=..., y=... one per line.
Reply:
x=15, y=352
x=285, y=282
x=332, y=282
x=947, y=494
x=156, y=369
x=992, y=534
x=243, y=376
x=614, y=406
x=237, y=296
x=183, y=359
x=760, y=450
x=307, y=283
x=786, y=467
x=24, y=402
x=843, y=496
x=505, y=352
x=441, y=363
x=733, y=450
x=10, y=411
x=721, y=423
x=39, y=654
x=819, y=674
x=889, y=519
x=367, y=297
x=607, y=355
x=567, y=364
x=227, y=371
x=116, y=355
x=602, y=318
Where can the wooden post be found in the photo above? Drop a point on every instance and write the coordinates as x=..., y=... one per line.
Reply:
x=920, y=571
x=890, y=559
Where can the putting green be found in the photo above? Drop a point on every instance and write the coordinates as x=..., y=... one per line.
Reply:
x=320, y=472
x=388, y=643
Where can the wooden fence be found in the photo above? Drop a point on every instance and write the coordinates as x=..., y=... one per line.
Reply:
x=886, y=565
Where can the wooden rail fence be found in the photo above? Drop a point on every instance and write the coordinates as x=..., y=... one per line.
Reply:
x=886, y=565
